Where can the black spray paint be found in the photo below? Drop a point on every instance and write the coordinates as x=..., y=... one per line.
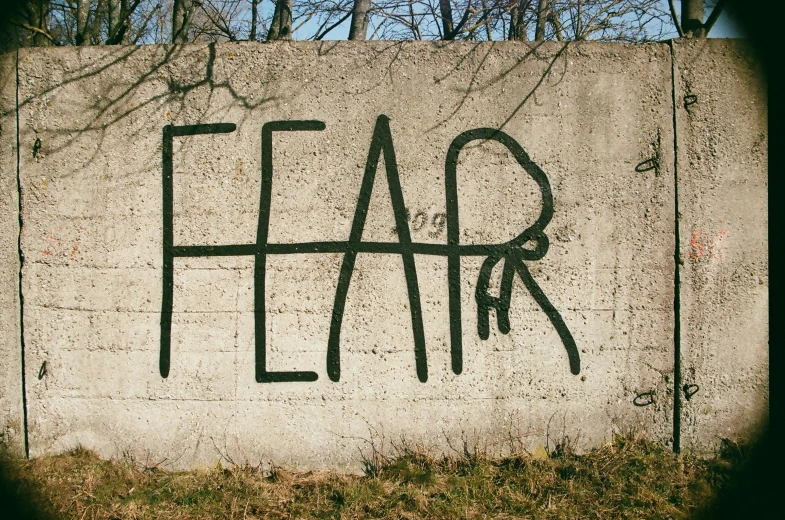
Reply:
x=513, y=252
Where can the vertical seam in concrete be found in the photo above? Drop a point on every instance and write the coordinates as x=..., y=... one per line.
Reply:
x=21, y=262
x=676, y=273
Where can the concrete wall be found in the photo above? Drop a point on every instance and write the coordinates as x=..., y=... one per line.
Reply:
x=11, y=393
x=200, y=292
x=722, y=145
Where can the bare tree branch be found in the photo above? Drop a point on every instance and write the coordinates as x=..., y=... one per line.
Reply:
x=542, y=14
x=36, y=30
x=333, y=26
x=715, y=14
x=675, y=18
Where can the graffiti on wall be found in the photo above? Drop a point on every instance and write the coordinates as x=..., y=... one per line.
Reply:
x=530, y=245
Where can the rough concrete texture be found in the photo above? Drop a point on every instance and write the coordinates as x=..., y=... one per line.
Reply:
x=586, y=114
x=11, y=407
x=722, y=140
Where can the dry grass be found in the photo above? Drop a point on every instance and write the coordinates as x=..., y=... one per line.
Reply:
x=628, y=478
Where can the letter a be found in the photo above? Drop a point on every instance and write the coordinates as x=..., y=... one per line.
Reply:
x=381, y=142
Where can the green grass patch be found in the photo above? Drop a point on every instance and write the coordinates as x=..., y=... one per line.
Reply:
x=627, y=478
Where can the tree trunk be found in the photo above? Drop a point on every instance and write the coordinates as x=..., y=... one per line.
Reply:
x=542, y=18
x=119, y=22
x=518, y=23
x=182, y=14
x=556, y=26
x=578, y=22
x=272, y=33
x=360, y=14
x=281, y=26
x=38, y=17
x=254, y=17
x=447, y=23
x=95, y=34
x=125, y=12
x=82, y=10
x=692, y=18
x=114, y=18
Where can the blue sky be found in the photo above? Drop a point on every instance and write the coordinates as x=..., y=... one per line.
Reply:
x=724, y=28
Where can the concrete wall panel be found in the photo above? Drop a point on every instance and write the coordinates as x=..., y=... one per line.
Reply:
x=586, y=114
x=722, y=181
x=11, y=398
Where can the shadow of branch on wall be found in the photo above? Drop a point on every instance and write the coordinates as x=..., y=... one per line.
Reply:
x=123, y=85
x=534, y=52
x=116, y=102
x=130, y=85
x=473, y=55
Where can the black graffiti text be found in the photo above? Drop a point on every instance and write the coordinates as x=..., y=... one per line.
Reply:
x=530, y=245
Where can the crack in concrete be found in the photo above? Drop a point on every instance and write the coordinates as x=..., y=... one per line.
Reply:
x=676, y=272
x=21, y=263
